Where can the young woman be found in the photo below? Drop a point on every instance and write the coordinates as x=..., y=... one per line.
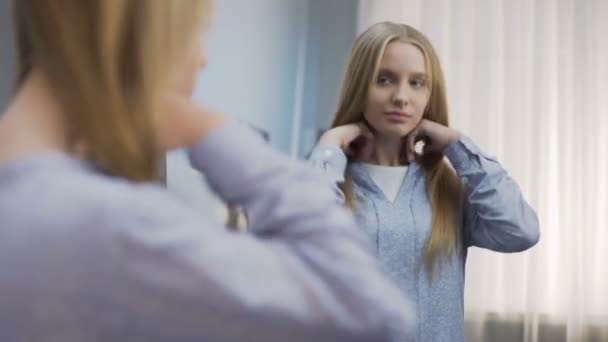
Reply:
x=92, y=249
x=420, y=212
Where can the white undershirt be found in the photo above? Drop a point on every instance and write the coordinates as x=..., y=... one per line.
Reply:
x=387, y=178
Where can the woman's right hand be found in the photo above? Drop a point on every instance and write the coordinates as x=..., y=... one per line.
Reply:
x=356, y=140
x=184, y=123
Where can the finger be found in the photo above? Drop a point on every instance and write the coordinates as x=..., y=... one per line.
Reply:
x=342, y=136
x=352, y=149
x=364, y=130
x=411, y=145
x=427, y=145
x=355, y=146
x=427, y=149
x=349, y=133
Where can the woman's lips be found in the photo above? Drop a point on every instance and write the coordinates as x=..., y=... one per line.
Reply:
x=398, y=116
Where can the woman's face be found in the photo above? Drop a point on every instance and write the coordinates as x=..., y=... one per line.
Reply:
x=397, y=98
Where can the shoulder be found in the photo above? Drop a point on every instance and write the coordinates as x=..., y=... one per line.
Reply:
x=76, y=196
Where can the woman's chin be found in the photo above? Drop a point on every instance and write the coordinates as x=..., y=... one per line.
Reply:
x=394, y=133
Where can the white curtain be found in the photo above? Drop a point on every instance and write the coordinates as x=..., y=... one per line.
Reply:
x=528, y=81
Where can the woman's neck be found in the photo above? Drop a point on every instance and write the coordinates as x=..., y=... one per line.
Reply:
x=387, y=152
x=32, y=123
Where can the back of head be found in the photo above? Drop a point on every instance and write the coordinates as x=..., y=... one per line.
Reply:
x=109, y=64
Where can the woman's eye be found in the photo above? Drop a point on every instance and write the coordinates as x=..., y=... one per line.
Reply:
x=418, y=83
x=384, y=80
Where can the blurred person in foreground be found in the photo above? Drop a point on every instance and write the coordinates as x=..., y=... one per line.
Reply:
x=92, y=248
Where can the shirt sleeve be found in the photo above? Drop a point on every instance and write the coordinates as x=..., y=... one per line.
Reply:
x=332, y=161
x=496, y=216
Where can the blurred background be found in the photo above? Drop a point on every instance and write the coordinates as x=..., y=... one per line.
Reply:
x=527, y=80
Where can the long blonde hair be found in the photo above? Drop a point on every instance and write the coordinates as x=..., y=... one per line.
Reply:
x=109, y=63
x=442, y=185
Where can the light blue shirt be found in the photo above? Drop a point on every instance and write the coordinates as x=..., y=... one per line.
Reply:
x=89, y=257
x=494, y=216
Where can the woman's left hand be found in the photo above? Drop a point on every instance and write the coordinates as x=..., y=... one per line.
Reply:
x=436, y=138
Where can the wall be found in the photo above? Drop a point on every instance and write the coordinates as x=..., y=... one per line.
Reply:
x=331, y=32
x=6, y=54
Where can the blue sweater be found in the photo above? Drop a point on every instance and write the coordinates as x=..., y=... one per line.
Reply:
x=88, y=257
x=494, y=216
